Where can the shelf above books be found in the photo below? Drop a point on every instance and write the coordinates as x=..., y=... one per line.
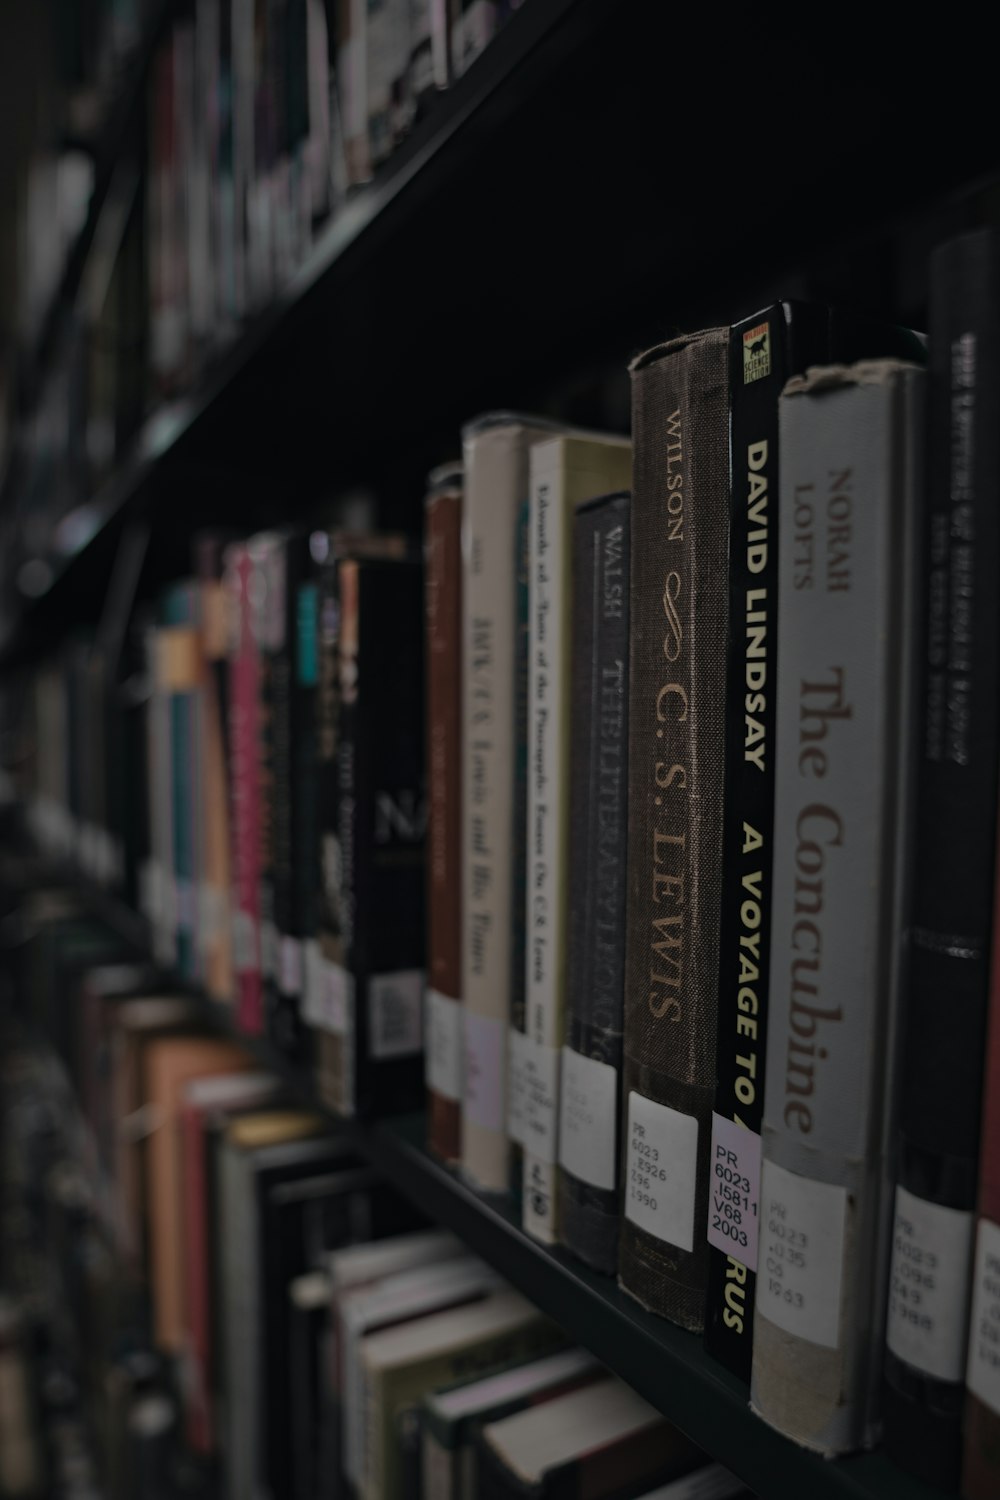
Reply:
x=668, y=1367
x=534, y=229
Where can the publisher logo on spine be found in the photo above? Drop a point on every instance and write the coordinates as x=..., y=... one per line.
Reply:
x=756, y=353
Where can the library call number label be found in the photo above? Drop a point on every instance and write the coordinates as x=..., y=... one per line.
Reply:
x=661, y=1170
x=734, y=1191
x=801, y=1261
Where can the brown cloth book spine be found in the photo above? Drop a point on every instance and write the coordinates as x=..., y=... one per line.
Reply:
x=680, y=525
x=443, y=593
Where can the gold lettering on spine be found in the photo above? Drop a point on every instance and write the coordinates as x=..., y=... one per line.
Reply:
x=669, y=792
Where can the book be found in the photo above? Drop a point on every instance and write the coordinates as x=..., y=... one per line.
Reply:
x=256, y=1152
x=496, y=450
x=958, y=735
x=206, y=1107
x=679, y=551
x=214, y=875
x=137, y=1023
x=452, y=1418
x=370, y=1055
x=850, y=503
x=590, y=1081
x=443, y=1000
x=362, y=1312
x=313, y=1463
x=474, y=24
x=168, y=1063
x=180, y=680
x=360, y=1265
x=600, y=1440
x=244, y=788
x=711, y=1482
x=564, y=471
x=401, y=1364
x=518, y=1008
x=981, y=1431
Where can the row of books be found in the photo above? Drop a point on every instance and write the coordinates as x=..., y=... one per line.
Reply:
x=712, y=789
x=303, y=1326
x=262, y=119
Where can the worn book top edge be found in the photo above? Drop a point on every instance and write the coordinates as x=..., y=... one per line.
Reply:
x=674, y=346
x=820, y=378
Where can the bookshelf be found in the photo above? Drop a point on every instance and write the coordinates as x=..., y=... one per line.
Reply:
x=667, y=1366
x=408, y=297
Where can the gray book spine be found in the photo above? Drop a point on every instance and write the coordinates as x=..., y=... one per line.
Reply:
x=850, y=487
x=240, y=1331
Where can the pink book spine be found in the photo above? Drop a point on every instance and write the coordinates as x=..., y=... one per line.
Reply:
x=244, y=736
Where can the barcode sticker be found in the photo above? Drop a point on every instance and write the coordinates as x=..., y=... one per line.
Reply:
x=734, y=1190
x=395, y=1014
x=802, y=1227
x=927, y=1319
x=983, y=1374
x=443, y=1045
x=532, y=1094
x=588, y=1119
x=483, y=1052
x=661, y=1170
x=289, y=965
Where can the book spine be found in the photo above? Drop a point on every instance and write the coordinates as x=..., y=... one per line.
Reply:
x=590, y=1088
x=213, y=895
x=955, y=855
x=764, y=349
x=383, y=824
x=496, y=472
x=444, y=764
x=196, y=1255
x=299, y=949
x=331, y=997
x=244, y=733
x=518, y=1011
x=676, y=709
x=981, y=1451
x=849, y=502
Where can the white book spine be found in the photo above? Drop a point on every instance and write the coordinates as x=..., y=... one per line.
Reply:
x=496, y=467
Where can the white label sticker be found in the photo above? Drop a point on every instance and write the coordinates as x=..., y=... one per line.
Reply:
x=335, y=1007
x=588, y=1119
x=484, y=1049
x=983, y=1375
x=395, y=1013
x=801, y=1264
x=538, y=1200
x=532, y=1095
x=443, y=1045
x=661, y=1170
x=927, y=1321
x=289, y=965
x=734, y=1190
x=312, y=994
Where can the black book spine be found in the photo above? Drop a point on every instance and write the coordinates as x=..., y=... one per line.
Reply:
x=590, y=1094
x=293, y=761
x=383, y=814
x=764, y=350
x=946, y=996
